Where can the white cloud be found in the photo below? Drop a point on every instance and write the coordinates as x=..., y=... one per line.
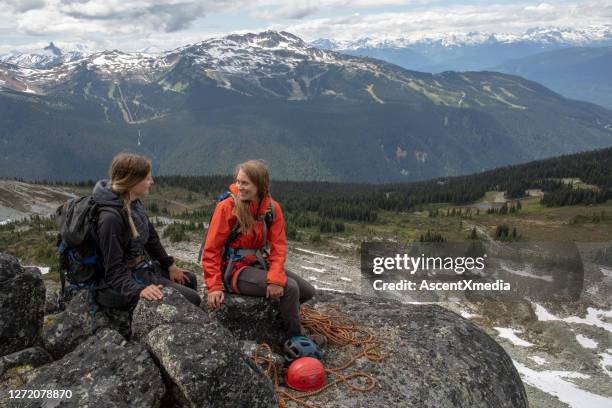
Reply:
x=136, y=24
x=543, y=7
x=21, y=6
x=489, y=18
x=299, y=9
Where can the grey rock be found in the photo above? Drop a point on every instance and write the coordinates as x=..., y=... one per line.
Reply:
x=16, y=368
x=9, y=267
x=435, y=358
x=68, y=329
x=32, y=357
x=22, y=302
x=171, y=310
x=104, y=371
x=250, y=318
x=53, y=298
x=201, y=361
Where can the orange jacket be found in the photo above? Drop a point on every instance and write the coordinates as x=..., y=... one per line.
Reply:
x=221, y=225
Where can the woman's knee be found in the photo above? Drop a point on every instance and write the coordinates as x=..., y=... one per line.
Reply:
x=192, y=296
x=307, y=291
x=188, y=293
x=292, y=289
x=192, y=281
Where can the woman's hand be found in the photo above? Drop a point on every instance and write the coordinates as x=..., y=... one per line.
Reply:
x=152, y=292
x=215, y=299
x=274, y=291
x=178, y=275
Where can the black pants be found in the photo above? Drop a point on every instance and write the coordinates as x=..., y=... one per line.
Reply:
x=252, y=282
x=189, y=290
x=109, y=297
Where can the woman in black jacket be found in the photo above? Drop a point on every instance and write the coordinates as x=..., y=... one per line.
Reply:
x=135, y=262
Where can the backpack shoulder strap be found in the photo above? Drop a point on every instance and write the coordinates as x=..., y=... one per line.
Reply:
x=108, y=209
x=235, y=230
x=270, y=214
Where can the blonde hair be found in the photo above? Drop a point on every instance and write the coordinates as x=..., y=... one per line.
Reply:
x=257, y=173
x=125, y=172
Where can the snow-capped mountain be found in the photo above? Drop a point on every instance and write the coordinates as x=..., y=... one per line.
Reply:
x=321, y=114
x=471, y=51
x=48, y=57
x=266, y=54
x=545, y=36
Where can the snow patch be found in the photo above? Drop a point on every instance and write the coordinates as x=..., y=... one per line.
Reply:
x=606, y=361
x=467, y=315
x=594, y=317
x=316, y=253
x=326, y=289
x=309, y=268
x=510, y=335
x=538, y=360
x=43, y=269
x=553, y=383
x=526, y=273
x=586, y=342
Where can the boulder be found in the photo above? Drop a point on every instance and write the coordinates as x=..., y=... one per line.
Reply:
x=239, y=314
x=103, y=371
x=22, y=303
x=80, y=320
x=15, y=368
x=32, y=357
x=202, y=362
x=435, y=358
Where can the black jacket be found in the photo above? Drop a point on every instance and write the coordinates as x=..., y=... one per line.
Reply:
x=117, y=245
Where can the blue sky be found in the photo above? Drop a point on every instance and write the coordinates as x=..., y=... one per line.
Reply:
x=137, y=24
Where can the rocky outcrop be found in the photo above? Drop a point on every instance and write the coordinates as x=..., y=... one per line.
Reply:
x=201, y=360
x=435, y=358
x=103, y=371
x=80, y=320
x=22, y=302
x=172, y=353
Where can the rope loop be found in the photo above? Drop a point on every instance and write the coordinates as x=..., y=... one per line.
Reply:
x=340, y=330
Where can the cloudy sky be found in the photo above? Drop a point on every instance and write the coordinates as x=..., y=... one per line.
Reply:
x=136, y=24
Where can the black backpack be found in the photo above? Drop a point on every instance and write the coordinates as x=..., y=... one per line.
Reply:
x=79, y=260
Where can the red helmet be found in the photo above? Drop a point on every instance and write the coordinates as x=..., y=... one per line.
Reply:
x=306, y=374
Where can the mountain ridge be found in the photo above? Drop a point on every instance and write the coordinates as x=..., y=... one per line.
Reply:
x=313, y=114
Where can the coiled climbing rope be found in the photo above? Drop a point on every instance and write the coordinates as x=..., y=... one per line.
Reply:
x=340, y=330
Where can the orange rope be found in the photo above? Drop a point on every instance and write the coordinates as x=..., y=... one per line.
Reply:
x=339, y=330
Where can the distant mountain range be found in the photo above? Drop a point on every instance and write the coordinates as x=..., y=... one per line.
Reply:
x=312, y=114
x=573, y=62
x=48, y=57
x=460, y=51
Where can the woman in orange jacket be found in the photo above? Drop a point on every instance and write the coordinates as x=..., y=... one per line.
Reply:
x=236, y=257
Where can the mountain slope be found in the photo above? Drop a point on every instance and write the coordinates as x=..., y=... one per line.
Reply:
x=312, y=114
x=579, y=72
